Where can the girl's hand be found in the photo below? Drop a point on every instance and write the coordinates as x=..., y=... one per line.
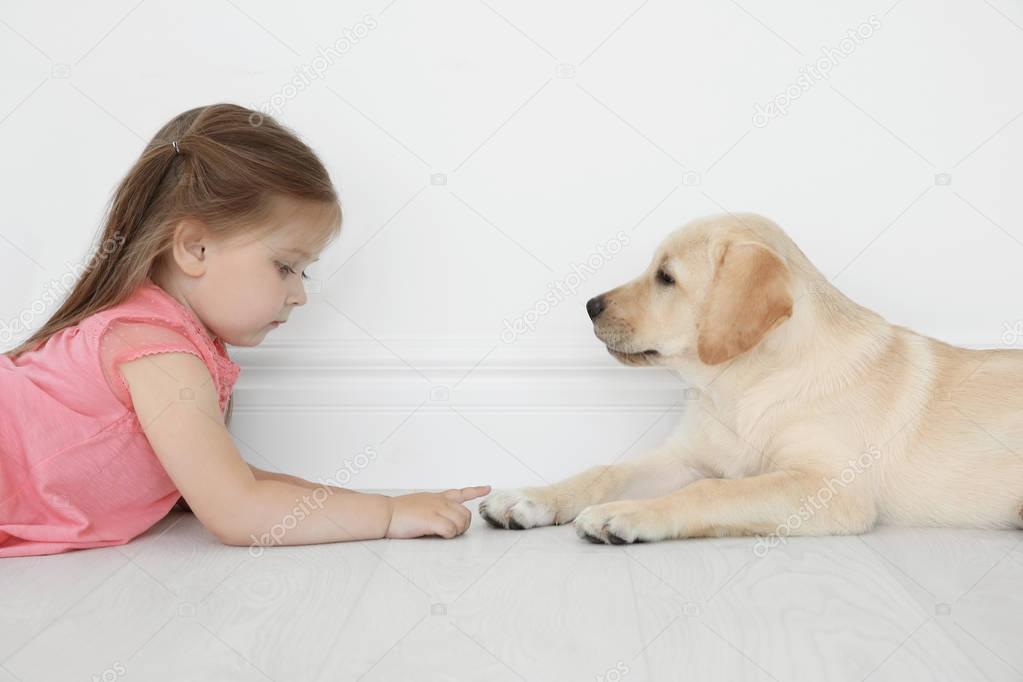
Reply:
x=440, y=514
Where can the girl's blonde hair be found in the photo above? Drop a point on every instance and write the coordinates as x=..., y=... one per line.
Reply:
x=227, y=165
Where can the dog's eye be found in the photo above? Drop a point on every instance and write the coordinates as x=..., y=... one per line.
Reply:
x=664, y=278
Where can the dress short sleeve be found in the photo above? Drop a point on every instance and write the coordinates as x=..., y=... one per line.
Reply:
x=124, y=341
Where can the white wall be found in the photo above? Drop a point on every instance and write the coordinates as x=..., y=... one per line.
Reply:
x=483, y=149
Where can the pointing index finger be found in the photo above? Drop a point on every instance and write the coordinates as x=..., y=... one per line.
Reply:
x=466, y=494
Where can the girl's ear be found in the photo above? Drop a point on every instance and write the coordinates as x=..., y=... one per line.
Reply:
x=189, y=246
x=748, y=296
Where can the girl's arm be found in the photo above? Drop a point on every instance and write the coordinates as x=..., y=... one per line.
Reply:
x=262, y=475
x=188, y=435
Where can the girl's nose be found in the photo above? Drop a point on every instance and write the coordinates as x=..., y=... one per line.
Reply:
x=298, y=297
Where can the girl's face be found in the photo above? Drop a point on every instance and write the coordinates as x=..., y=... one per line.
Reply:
x=250, y=286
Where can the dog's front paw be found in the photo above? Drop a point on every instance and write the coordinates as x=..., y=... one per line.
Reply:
x=621, y=523
x=517, y=509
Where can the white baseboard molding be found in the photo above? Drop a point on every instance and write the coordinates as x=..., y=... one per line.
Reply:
x=435, y=374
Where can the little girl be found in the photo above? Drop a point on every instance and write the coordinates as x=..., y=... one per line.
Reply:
x=115, y=409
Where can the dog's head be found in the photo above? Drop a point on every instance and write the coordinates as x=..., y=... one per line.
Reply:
x=713, y=290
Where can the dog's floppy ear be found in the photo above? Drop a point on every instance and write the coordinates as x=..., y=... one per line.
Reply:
x=748, y=296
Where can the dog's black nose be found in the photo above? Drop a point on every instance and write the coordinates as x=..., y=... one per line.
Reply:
x=595, y=306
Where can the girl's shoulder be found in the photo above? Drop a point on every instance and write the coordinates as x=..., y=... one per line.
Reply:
x=152, y=321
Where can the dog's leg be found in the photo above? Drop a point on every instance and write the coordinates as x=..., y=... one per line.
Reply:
x=660, y=471
x=779, y=503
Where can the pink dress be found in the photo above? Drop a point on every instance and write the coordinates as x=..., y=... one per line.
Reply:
x=76, y=469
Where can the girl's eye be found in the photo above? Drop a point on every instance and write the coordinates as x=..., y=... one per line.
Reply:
x=664, y=278
x=288, y=270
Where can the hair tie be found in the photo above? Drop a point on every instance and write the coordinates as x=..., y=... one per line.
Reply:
x=177, y=149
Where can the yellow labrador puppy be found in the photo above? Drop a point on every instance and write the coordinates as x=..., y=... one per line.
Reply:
x=809, y=414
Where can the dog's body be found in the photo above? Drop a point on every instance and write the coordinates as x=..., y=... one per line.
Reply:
x=810, y=414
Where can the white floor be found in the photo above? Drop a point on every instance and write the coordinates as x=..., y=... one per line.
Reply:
x=897, y=604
